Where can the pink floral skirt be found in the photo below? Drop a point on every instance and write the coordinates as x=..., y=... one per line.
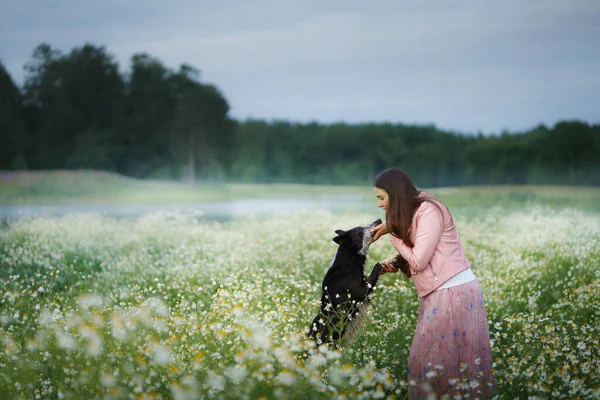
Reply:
x=451, y=353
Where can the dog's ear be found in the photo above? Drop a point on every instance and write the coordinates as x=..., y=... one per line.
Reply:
x=341, y=237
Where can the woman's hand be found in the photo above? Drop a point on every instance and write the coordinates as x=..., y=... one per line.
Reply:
x=387, y=266
x=379, y=231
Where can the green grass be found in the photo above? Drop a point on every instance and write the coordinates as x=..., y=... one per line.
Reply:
x=584, y=198
x=164, y=306
x=98, y=187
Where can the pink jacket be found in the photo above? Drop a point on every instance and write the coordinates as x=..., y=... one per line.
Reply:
x=437, y=254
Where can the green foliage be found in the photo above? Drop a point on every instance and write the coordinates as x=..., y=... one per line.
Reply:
x=149, y=107
x=69, y=97
x=78, y=110
x=353, y=154
x=12, y=124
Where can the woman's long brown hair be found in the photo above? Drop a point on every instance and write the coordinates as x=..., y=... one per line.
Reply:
x=403, y=200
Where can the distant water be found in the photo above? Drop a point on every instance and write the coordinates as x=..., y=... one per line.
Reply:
x=214, y=210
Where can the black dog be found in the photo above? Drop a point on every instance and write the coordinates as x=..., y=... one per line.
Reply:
x=345, y=288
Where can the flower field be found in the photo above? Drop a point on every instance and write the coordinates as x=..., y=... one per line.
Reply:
x=170, y=306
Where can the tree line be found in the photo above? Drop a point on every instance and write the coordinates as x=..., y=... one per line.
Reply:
x=80, y=111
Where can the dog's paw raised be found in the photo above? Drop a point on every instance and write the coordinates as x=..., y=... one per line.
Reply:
x=377, y=268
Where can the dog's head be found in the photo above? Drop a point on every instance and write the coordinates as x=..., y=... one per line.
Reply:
x=359, y=237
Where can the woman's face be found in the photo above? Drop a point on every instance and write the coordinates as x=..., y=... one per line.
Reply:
x=382, y=198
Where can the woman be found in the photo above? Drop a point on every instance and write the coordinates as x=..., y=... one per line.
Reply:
x=450, y=352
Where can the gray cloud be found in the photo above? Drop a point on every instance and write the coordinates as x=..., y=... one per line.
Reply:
x=468, y=66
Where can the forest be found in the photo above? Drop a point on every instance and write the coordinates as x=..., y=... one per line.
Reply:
x=81, y=110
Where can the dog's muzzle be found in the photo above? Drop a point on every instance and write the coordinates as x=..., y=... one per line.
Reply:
x=373, y=224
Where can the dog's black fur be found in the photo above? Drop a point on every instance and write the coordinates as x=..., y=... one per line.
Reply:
x=345, y=290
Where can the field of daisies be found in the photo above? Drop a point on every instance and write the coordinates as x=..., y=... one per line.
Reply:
x=171, y=306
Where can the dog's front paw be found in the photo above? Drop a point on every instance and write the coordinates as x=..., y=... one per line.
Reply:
x=374, y=276
x=377, y=268
x=399, y=262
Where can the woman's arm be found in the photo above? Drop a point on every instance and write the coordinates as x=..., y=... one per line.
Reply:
x=427, y=237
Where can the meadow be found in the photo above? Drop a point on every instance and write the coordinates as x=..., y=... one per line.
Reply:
x=101, y=187
x=172, y=306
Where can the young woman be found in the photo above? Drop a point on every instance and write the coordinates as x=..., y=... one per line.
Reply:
x=450, y=352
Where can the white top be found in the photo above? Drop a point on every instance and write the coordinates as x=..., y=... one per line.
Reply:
x=458, y=279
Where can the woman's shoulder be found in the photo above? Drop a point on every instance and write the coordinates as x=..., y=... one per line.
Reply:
x=429, y=198
x=425, y=207
x=430, y=204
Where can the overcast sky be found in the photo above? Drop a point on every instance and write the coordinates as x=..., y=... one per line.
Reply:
x=462, y=65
